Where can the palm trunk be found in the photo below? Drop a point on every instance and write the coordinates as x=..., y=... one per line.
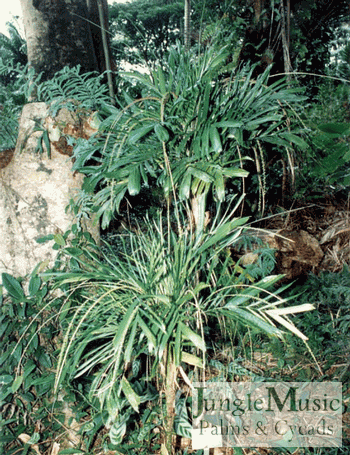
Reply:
x=169, y=401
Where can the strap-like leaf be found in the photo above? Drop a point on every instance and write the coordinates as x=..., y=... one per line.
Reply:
x=135, y=135
x=185, y=186
x=200, y=174
x=195, y=339
x=134, y=181
x=130, y=394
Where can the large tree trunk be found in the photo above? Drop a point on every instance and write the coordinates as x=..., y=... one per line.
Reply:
x=64, y=33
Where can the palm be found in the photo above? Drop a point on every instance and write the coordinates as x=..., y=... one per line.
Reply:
x=186, y=132
x=154, y=298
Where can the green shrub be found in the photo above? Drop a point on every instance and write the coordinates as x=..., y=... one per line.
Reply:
x=136, y=318
x=27, y=344
x=327, y=328
x=325, y=167
x=189, y=134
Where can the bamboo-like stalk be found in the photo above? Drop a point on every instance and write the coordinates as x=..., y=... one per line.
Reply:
x=187, y=25
x=285, y=21
x=106, y=52
x=170, y=377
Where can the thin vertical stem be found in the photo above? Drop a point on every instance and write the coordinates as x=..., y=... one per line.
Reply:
x=285, y=15
x=106, y=52
x=169, y=399
x=187, y=27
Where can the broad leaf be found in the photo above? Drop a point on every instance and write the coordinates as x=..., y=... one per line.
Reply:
x=335, y=129
x=161, y=133
x=13, y=287
x=34, y=285
x=59, y=239
x=17, y=384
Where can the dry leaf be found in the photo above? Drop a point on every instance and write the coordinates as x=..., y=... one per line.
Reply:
x=25, y=438
x=55, y=448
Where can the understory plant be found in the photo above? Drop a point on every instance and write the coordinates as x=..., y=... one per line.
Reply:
x=327, y=327
x=327, y=119
x=135, y=318
x=31, y=416
x=139, y=318
x=10, y=109
x=69, y=86
x=138, y=315
x=189, y=132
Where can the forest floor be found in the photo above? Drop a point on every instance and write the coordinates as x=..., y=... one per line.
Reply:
x=328, y=221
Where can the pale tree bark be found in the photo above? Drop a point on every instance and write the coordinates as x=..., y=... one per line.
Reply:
x=36, y=189
x=187, y=25
x=285, y=21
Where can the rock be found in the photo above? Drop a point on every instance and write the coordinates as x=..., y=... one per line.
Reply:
x=35, y=190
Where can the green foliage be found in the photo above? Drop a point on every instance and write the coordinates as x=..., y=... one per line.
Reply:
x=188, y=133
x=13, y=49
x=87, y=89
x=255, y=29
x=263, y=259
x=312, y=450
x=332, y=142
x=30, y=338
x=328, y=327
x=340, y=63
x=10, y=111
x=328, y=119
x=331, y=292
x=132, y=315
x=309, y=52
x=27, y=333
x=144, y=30
x=67, y=86
x=344, y=63
x=13, y=55
x=135, y=313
